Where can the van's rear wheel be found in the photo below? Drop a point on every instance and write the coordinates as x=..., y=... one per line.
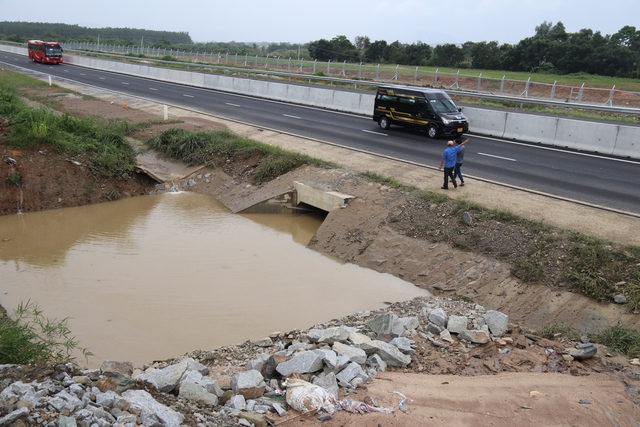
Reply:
x=384, y=122
x=432, y=131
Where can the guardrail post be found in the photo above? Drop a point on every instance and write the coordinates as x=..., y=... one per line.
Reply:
x=458, y=80
x=289, y=65
x=580, y=94
x=246, y=58
x=314, y=65
x=502, y=84
x=553, y=90
x=435, y=77
x=378, y=72
x=610, y=101
x=360, y=71
x=396, y=75
x=479, y=82
x=278, y=63
x=415, y=76
x=328, y=67
x=235, y=59
x=266, y=62
x=344, y=68
x=256, y=64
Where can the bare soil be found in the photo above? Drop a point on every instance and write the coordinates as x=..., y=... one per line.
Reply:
x=379, y=230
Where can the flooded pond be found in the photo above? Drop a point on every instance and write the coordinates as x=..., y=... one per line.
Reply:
x=150, y=278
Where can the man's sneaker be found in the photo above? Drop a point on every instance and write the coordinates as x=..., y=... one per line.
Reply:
x=454, y=184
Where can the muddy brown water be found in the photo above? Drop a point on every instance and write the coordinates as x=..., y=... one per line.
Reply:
x=154, y=277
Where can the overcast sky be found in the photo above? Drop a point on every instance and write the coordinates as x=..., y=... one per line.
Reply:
x=299, y=21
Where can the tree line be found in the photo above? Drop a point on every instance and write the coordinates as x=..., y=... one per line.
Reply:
x=551, y=49
x=20, y=32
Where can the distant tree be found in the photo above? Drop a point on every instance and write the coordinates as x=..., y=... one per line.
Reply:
x=321, y=50
x=376, y=51
x=447, y=55
x=486, y=55
x=163, y=44
x=418, y=53
x=344, y=50
x=362, y=42
x=629, y=37
x=17, y=38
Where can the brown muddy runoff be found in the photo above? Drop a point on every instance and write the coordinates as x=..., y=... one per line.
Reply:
x=154, y=277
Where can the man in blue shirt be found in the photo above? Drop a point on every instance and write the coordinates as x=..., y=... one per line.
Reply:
x=449, y=163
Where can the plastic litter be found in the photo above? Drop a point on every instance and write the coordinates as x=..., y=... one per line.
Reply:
x=404, y=398
x=309, y=398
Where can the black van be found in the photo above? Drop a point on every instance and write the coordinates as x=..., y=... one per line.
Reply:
x=429, y=109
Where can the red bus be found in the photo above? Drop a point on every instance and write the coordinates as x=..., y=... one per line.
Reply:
x=45, y=52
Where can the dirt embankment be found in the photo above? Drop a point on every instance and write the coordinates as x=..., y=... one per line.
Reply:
x=364, y=234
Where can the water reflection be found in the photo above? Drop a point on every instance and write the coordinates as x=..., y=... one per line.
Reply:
x=154, y=277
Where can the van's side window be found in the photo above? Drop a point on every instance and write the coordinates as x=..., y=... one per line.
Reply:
x=388, y=98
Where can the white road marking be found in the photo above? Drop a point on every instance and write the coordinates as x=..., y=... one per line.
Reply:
x=290, y=116
x=375, y=133
x=232, y=105
x=125, y=83
x=188, y=96
x=152, y=88
x=498, y=157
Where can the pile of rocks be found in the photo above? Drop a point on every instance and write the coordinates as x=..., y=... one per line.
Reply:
x=339, y=357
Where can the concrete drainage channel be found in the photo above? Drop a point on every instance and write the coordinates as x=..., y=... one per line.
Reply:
x=302, y=197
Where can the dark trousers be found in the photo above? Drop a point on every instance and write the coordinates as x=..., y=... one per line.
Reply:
x=448, y=173
x=457, y=172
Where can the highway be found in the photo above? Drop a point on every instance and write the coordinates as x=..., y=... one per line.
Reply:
x=589, y=178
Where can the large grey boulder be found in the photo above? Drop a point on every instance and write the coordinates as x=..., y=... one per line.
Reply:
x=475, y=336
x=151, y=411
x=457, y=324
x=391, y=355
x=301, y=363
x=382, y=324
x=249, y=384
x=497, y=322
x=196, y=393
x=352, y=353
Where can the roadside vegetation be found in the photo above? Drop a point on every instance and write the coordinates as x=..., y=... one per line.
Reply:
x=29, y=337
x=618, y=338
x=214, y=148
x=102, y=141
x=538, y=252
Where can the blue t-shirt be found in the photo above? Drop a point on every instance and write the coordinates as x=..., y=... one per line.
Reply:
x=460, y=155
x=449, y=156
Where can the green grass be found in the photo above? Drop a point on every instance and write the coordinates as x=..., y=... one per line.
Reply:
x=31, y=338
x=386, y=180
x=618, y=338
x=433, y=197
x=204, y=148
x=103, y=141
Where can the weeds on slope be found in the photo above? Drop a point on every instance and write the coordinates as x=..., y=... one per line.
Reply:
x=210, y=148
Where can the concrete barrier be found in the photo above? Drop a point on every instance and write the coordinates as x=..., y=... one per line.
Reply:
x=605, y=138
x=627, y=142
x=486, y=122
x=586, y=136
x=536, y=128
